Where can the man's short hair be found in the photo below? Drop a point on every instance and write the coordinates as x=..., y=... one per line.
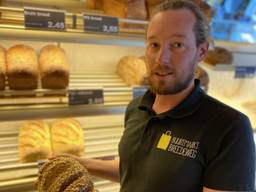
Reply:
x=201, y=28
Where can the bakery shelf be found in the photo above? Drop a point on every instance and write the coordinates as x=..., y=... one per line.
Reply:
x=40, y=103
x=19, y=33
x=12, y=27
x=17, y=176
x=218, y=67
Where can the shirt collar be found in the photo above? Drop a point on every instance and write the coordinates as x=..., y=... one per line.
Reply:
x=187, y=107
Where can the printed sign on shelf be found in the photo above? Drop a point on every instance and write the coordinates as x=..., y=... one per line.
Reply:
x=89, y=96
x=245, y=72
x=44, y=19
x=103, y=24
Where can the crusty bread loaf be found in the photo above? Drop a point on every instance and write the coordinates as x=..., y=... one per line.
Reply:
x=133, y=9
x=67, y=137
x=64, y=174
x=22, y=67
x=94, y=4
x=90, y=4
x=53, y=67
x=34, y=141
x=2, y=67
x=132, y=70
x=219, y=55
x=203, y=76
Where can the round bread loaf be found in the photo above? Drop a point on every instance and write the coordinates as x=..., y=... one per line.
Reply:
x=34, y=141
x=22, y=67
x=64, y=174
x=132, y=70
x=54, y=67
x=2, y=67
x=67, y=137
x=219, y=55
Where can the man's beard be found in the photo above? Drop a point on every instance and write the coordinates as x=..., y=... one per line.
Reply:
x=182, y=82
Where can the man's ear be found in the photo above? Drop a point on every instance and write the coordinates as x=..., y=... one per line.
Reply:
x=202, y=51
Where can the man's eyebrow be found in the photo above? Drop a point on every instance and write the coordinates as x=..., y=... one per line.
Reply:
x=174, y=35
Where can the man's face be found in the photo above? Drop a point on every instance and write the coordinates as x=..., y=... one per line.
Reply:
x=171, y=53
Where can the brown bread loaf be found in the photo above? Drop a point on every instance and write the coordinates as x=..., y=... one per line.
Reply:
x=219, y=55
x=132, y=70
x=64, y=174
x=133, y=9
x=53, y=67
x=22, y=67
x=2, y=67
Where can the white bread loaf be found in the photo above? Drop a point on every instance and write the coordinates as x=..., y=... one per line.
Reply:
x=53, y=67
x=132, y=70
x=2, y=67
x=22, y=67
x=67, y=137
x=34, y=141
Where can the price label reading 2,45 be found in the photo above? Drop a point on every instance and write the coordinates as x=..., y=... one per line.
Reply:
x=57, y=25
x=44, y=18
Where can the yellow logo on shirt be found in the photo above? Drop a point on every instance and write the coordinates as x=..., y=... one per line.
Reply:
x=164, y=140
x=177, y=145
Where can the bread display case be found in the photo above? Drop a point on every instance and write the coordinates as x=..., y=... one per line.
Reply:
x=93, y=58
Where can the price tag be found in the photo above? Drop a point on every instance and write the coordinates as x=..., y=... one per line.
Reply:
x=139, y=91
x=44, y=19
x=79, y=97
x=101, y=24
x=245, y=72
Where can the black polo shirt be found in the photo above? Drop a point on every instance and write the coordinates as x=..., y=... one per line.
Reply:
x=201, y=142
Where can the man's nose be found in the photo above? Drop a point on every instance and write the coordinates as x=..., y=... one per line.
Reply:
x=163, y=56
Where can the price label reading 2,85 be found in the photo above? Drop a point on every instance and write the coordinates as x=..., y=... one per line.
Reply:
x=44, y=19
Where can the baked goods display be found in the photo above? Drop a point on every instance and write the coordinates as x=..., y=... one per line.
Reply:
x=133, y=9
x=2, y=67
x=64, y=174
x=22, y=67
x=203, y=76
x=67, y=137
x=34, y=141
x=219, y=55
x=94, y=4
x=132, y=70
x=38, y=140
x=53, y=67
